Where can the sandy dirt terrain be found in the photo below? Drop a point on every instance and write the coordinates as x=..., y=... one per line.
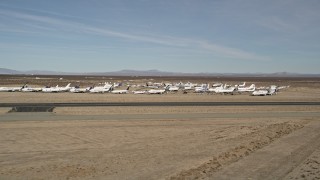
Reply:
x=184, y=110
x=4, y=110
x=234, y=142
x=180, y=148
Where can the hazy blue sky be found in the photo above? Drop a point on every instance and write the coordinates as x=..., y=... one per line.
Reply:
x=170, y=35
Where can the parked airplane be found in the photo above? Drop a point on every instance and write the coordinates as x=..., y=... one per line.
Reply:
x=188, y=86
x=77, y=89
x=158, y=84
x=179, y=85
x=225, y=89
x=217, y=84
x=57, y=89
x=242, y=85
x=260, y=93
x=139, y=92
x=282, y=87
x=48, y=89
x=173, y=88
x=153, y=85
x=246, y=89
x=158, y=91
x=125, y=91
x=101, y=89
x=215, y=88
x=270, y=91
x=10, y=89
x=201, y=89
x=64, y=89
x=27, y=88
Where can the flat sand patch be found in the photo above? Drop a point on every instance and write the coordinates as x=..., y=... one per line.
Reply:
x=174, y=109
x=4, y=110
x=139, y=149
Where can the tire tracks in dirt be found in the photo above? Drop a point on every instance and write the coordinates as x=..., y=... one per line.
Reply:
x=254, y=141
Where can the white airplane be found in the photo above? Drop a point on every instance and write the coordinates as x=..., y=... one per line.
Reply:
x=157, y=84
x=217, y=84
x=173, y=88
x=229, y=90
x=158, y=91
x=64, y=89
x=188, y=86
x=57, y=89
x=139, y=92
x=125, y=91
x=215, y=88
x=48, y=89
x=246, y=89
x=282, y=87
x=201, y=89
x=225, y=89
x=152, y=85
x=101, y=89
x=77, y=89
x=10, y=89
x=242, y=85
x=260, y=93
x=270, y=91
x=27, y=88
x=180, y=84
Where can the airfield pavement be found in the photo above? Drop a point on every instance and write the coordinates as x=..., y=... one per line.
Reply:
x=234, y=142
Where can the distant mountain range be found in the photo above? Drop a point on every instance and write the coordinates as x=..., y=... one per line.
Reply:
x=128, y=72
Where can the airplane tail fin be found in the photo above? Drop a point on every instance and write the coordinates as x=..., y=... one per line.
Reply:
x=128, y=88
x=68, y=85
x=111, y=88
x=107, y=85
x=252, y=86
x=25, y=85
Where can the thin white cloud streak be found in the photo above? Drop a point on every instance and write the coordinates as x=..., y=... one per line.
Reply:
x=290, y=16
x=32, y=47
x=277, y=24
x=231, y=52
x=74, y=27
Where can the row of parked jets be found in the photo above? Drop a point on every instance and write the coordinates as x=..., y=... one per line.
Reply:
x=155, y=88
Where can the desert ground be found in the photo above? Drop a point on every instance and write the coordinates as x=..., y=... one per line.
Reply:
x=234, y=142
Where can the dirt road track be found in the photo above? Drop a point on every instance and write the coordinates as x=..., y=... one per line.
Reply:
x=277, y=160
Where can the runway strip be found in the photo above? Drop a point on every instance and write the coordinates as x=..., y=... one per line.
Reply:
x=46, y=116
x=160, y=104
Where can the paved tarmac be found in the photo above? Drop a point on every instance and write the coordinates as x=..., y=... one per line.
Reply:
x=160, y=104
x=45, y=116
